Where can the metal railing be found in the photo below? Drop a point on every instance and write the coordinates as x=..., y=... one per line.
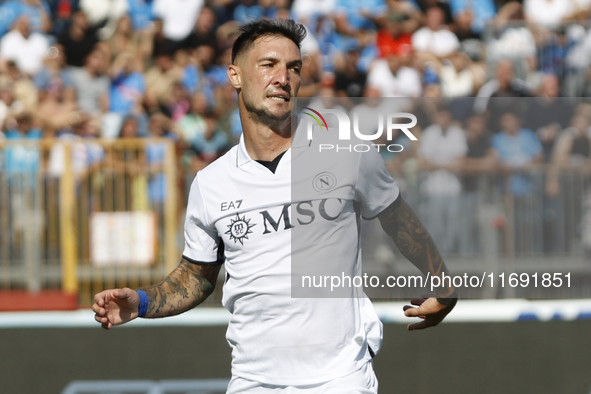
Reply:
x=51, y=192
x=85, y=215
x=494, y=228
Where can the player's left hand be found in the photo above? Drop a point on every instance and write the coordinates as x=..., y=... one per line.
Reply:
x=428, y=309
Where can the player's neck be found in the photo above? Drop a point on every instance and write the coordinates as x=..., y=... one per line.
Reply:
x=264, y=143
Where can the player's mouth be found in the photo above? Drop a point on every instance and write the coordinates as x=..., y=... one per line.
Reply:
x=284, y=96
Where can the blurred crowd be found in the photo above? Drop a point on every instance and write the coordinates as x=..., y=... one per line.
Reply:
x=109, y=68
x=157, y=68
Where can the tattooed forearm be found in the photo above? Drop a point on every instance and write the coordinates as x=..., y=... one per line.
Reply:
x=414, y=242
x=184, y=288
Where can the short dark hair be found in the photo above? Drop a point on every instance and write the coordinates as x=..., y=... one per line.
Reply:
x=267, y=27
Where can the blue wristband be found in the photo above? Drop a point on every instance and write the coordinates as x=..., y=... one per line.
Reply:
x=143, y=307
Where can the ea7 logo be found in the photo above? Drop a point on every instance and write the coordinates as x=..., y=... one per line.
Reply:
x=345, y=124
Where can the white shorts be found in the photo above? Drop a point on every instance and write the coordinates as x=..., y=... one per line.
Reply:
x=363, y=381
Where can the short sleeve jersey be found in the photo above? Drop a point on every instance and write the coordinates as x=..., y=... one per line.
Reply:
x=277, y=338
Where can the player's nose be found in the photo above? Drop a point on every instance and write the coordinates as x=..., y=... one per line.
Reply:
x=281, y=76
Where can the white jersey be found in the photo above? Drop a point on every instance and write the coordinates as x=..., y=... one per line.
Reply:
x=276, y=338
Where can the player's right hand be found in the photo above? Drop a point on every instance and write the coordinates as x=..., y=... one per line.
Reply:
x=115, y=306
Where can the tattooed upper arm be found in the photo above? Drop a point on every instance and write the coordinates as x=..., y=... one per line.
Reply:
x=184, y=288
x=412, y=239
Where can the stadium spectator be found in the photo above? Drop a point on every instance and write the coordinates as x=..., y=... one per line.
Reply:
x=204, y=29
x=54, y=66
x=92, y=85
x=435, y=37
x=456, y=76
x=369, y=110
x=140, y=12
x=178, y=17
x=547, y=114
x=577, y=62
x=205, y=56
x=217, y=72
x=519, y=150
x=129, y=169
x=22, y=161
x=36, y=11
x=86, y=154
x=443, y=5
x=126, y=94
x=353, y=18
x=248, y=11
x=548, y=13
x=395, y=76
x=127, y=85
x=471, y=42
x=349, y=81
x=427, y=106
x=160, y=127
x=480, y=160
x=79, y=40
x=481, y=12
x=192, y=124
x=356, y=23
x=104, y=14
x=160, y=80
x=9, y=105
x=208, y=146
x=307, y=11
x=229, y=117
x=366, y=116
x=126, y=39
x=500, y=94
x=129, y=128
x=573, y=149
x=311, y=73
x=512, y=40
x=57, y=106
x=178, y=104
x=25, y=47
x=441, y=150
x=23, y=88
x=395, y=36
x=554, y=49
x=327, y=99
x=62, y=12
x=571, y=154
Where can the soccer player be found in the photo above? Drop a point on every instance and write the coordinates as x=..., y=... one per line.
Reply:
x=241, y=212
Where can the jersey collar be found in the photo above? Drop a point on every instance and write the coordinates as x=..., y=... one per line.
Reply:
x=299, y=141
x=242, y=157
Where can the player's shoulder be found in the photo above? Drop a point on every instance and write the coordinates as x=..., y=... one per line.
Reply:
x=218, y=169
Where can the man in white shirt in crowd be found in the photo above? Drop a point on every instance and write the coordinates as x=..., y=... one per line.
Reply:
x=395, y=77
x=26, y=48
x=435, y=37
x=443, y=145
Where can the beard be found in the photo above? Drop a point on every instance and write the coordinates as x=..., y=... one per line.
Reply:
x=265, y=116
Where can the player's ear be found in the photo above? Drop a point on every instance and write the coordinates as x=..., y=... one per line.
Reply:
x=235, y=76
